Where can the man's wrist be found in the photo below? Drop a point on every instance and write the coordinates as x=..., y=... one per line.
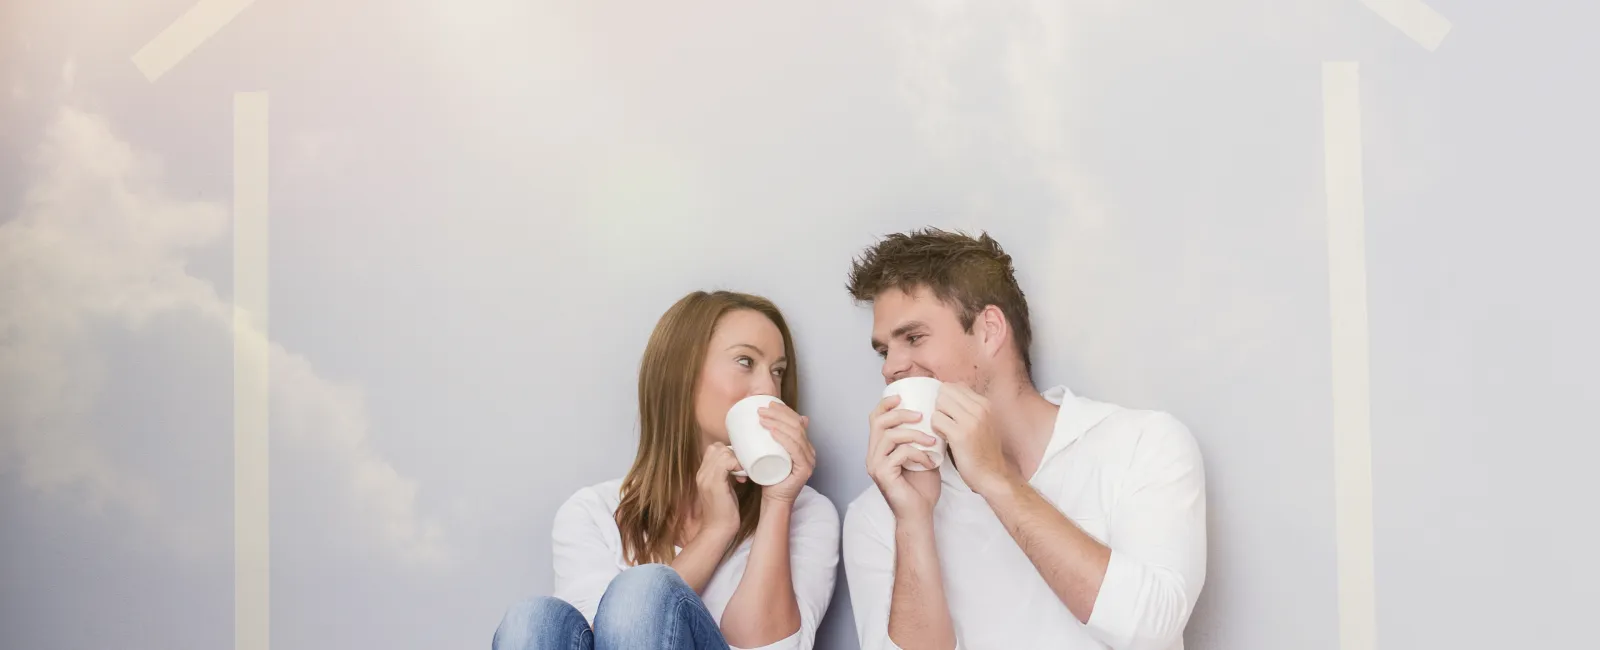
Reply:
x=914, y=522
x=1000, y=486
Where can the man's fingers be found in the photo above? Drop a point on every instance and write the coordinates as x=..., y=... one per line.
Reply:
x=873, y=430
x=898, y=437
x=953, y=405
x=896, y=418
x=903, y=436
x=969, y=400
x=946, y=426
x=887, y=420
x=907, y=453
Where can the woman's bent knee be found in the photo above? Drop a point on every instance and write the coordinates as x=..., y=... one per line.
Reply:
x=540, y=623
x=640, y=597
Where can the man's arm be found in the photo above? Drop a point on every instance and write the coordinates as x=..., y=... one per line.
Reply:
x=1139, y=594
x=919, y=616
x=891, y=561
x=1068, y=559
x=889, y=579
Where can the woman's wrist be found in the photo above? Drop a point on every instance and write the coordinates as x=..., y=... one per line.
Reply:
x=775, y=505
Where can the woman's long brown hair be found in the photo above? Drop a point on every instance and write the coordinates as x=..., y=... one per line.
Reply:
x=662, y=480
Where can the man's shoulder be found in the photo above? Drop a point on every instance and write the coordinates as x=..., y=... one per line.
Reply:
x=867, y=512
x=1146, y=429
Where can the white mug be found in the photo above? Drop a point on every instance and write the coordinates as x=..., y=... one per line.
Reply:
x=764, y=460
x=919, y=394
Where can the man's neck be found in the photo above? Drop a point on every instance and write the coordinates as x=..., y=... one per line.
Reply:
x=1025, y=421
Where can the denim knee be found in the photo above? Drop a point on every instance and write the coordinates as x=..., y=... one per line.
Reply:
x=540, y=623
x=640, y=598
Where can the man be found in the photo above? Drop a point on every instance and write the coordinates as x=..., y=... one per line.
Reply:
x=1056, y=522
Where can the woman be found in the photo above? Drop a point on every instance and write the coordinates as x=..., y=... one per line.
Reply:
x=680, y=553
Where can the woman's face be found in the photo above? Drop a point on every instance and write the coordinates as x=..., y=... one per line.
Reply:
x=746, y=357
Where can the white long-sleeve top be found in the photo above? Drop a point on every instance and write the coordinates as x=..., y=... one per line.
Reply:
x=588, y=554
x=1132, y=479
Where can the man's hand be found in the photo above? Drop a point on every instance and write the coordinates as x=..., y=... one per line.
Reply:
x=910, y=494
x=961, y=416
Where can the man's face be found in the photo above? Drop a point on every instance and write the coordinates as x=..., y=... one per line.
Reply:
x=919, y=336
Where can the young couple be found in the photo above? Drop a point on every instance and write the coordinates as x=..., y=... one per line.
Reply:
x=1058, y=521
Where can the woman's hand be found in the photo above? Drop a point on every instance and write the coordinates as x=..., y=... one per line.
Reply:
x=789, y=429
x=719, y=507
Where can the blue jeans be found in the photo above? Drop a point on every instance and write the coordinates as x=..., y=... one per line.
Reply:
x=647, y=607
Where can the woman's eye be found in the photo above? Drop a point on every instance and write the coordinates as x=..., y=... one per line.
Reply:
x=745, y=361
x=779, y=371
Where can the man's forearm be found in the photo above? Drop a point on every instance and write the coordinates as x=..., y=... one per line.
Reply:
x=763, y=608
x=919, y=615
x=1069, y=560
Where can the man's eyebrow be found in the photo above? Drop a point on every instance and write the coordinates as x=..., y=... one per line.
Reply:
x=906, y=328
x=877, y=346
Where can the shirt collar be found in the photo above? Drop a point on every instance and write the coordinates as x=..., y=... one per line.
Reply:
x=1076, y=417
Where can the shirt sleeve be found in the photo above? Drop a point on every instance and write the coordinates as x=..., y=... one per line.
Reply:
x=584, y=560
x=1157, y=535
x=869, y=571
x=813, y=566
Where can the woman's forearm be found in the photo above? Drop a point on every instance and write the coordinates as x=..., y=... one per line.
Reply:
x=699, y=560
x=763, y=607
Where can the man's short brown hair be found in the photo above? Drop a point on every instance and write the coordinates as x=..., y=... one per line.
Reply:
x=964, y=272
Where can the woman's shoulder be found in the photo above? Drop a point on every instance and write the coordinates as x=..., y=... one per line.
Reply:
x=815, y=505
x=600, y=497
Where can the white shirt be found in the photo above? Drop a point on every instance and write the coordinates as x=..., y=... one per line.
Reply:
x=1131, y=479
x=588, y=553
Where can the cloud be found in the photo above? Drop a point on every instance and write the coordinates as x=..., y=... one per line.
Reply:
x=994, y=89
x=99, y=246
x=951, y=52
x=1022, y=94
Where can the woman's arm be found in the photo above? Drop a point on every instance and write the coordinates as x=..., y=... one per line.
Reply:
x=763, y=608
x=699, y=560
x=792, y=573
x=719, y=522
x=794, y=554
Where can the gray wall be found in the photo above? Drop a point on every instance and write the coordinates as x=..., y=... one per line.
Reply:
x=478, y=212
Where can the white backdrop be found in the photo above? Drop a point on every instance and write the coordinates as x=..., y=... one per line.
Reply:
x=478, y=210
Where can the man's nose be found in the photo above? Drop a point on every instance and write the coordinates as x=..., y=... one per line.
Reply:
x=896, y=367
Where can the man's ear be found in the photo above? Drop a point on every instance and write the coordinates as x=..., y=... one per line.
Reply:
x=994, y=332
